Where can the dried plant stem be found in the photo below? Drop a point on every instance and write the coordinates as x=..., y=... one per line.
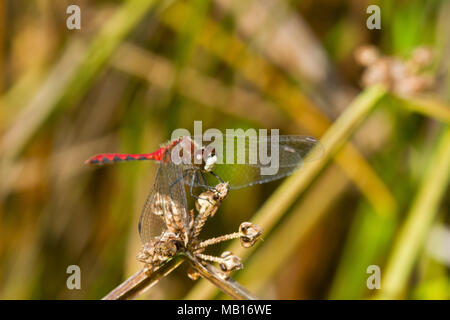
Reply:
x=228, y=286
x=208, y=257
x=143, y=280
x=212, y=241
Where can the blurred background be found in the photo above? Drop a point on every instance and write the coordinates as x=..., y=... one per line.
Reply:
x=138, y=69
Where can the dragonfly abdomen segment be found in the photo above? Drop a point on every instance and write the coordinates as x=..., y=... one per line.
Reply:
x=105, y=158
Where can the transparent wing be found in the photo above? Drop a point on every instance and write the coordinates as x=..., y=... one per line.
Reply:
x=254, y=160
x=166, y=199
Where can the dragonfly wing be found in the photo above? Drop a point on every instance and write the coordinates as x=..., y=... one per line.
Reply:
x=151, y=222
x=256, y=160
x=241, y=176
x=165, y=207
x=305, y=148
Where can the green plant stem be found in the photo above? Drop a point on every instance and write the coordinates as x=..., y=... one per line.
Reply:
x=429, y=107
x=412, y=234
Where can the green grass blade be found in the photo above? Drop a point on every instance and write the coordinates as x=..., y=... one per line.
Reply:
x=412, y=234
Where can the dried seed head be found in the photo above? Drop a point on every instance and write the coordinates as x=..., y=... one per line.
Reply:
x=366, y=55
x=249, y=234
x=158, y=250
x=221, y=191
x=166, y=236
x=173, y=214
x=414, y=85
x=209, y=201
x=230, y=262
x=398, y=70
x=399, y=76
x=379, y=72
x=146, y=253
x=205, y=203
x=422, y=57
x=165, y=250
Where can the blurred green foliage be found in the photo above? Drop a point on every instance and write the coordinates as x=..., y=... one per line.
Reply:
x=139, y=69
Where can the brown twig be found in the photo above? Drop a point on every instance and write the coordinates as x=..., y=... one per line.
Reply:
x=143, y=280
x=229, y=286
x=211, y=241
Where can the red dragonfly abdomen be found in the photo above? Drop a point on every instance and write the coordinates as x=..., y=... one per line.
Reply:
x=105, y=158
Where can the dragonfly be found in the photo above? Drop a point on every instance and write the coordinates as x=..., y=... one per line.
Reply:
x=188, y=160
x=293, y=151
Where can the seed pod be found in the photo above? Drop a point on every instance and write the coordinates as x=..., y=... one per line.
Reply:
x=421, y=57
x=230, y=262
x=249, y=234
x=221, y=191
x=367, y=55
x=209, y=201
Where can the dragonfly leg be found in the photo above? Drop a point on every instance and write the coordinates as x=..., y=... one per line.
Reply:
x=204, y=184
x=194, y=180
x=207, y=186
x=191, y=187
x=217, y=177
